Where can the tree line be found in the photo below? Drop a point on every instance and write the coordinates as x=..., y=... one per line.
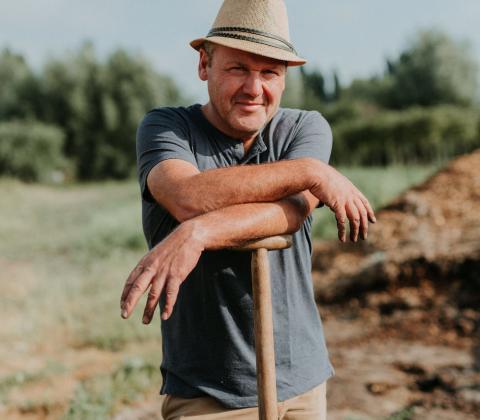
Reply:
x=78, y=115
x=423, y=108
x=76, y=118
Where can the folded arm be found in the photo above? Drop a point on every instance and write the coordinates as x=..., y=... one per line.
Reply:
x=168, y=264
x=225, y=207
x=186, y=192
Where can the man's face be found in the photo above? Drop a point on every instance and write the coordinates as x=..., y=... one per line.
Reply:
x=245, y=90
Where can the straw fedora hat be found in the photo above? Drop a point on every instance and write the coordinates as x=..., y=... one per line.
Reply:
x=256, y=26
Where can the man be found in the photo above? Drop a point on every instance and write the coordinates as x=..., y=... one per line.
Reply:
x=213, y=177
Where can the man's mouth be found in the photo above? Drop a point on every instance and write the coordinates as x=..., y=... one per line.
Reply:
x=248, y=106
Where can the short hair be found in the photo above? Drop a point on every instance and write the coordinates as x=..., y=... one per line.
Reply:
x=209, y=48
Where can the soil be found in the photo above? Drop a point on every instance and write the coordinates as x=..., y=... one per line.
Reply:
x=401, y=310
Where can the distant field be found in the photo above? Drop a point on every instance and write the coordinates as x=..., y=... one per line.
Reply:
x=65, y=252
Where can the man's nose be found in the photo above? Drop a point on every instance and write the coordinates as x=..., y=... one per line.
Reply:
x=253, y=85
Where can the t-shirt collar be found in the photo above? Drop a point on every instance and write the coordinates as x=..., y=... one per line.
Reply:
x=258, y=145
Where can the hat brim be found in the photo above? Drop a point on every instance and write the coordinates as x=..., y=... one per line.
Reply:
x=252, y=47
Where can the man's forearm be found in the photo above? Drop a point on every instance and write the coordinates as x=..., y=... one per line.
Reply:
x=233, y=225
x=168, y=264
x=202, y=192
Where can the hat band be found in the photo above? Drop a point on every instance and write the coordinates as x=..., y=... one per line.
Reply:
x=226, y=32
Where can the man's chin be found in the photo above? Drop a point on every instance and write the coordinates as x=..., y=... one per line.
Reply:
x=250, y=125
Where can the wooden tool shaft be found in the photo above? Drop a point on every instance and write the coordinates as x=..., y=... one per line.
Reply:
x=270, y=243
x=264, y=341
x=263, y=321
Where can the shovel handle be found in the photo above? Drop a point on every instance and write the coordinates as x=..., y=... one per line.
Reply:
x=263, y=322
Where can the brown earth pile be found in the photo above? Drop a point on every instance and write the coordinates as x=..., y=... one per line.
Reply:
x=402, y=309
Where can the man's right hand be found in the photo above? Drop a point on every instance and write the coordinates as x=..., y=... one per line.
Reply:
x=345, y=200
x=163, y=269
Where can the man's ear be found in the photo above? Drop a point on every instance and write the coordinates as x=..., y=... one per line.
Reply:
x=202, y=65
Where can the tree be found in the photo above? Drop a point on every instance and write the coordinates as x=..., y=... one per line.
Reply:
x=99, y=105
x=131, y=87
x=434, y=69
x=293, y=95
x=318, y=90
x=19, y=95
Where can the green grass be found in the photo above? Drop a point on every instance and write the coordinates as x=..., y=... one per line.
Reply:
x=404, y=414
x=65, y=253
x=68, y=252
x=378, y=184
x=98, y=397
x=79, y=221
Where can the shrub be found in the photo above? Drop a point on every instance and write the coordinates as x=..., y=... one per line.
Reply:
x=416, y=135
x=100, y=104
x=97, y=103
x=30, y=150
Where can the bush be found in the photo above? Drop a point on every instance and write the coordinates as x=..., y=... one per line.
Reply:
x=30, y=150
x=416, y=135
x=435, y=69
x=97, y=103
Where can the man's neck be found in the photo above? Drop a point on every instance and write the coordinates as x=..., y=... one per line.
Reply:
x=212, y=116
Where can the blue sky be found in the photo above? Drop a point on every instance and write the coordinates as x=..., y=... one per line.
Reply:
x=352, y=36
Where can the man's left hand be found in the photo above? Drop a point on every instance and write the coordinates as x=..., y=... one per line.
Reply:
x=165, y=267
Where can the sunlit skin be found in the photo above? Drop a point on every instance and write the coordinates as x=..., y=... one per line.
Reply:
x=245, y=91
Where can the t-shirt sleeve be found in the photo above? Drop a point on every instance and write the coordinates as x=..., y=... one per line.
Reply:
x=161, y=135
x=313, y=138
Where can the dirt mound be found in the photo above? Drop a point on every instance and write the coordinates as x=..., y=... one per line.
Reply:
x=414, y=282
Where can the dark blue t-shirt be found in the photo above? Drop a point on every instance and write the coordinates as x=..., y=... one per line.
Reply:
x=208, y=342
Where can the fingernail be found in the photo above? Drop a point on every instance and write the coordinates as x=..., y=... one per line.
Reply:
x=124, y=313
x=145, y=319
x=164, y=316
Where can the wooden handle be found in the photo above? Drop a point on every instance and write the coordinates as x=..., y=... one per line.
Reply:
x=264, y=342
x=270, y=243
x=263, y=321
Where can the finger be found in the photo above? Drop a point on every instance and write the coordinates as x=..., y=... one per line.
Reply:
x=341, y=217
x=370, y=212
x=363, y=219
x=137, y=289
x=171, y=293
x=153, y=298
x=137, y=271
x=354, y=219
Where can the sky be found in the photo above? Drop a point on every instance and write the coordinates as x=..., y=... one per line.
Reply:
x=353, y=37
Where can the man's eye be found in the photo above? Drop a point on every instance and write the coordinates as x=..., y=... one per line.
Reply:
x=270, y=74
x=236, y=69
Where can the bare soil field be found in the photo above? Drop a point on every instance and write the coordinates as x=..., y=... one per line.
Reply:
x=402, y=310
